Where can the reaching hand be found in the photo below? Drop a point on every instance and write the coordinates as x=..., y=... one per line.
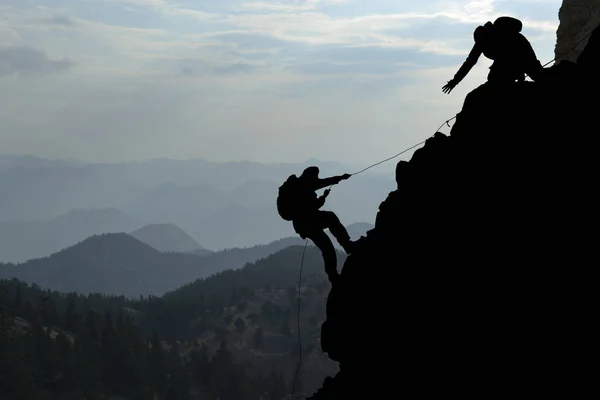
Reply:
x=346, y=176
x=449, y=86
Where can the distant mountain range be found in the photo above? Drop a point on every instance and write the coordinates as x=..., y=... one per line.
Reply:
x=167, y=238
x=220, y=205
x=112, y=263
x=22, y=241
x=120, y=264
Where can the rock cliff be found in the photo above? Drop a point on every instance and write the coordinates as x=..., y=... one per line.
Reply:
x=577, y=19
x=479, y=274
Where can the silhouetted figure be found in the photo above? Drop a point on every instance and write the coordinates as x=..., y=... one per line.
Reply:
x=512, y=53
x=298, y=202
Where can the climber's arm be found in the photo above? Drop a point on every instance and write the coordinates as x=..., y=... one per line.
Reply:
x=321, y=183
x=469, y=63
x=533, y=66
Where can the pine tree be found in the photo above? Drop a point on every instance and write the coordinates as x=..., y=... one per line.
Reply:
x=18, y=301
x=200, y=365
x=285, y=326
x=240, y=326
x=157, y=363
x=258, y=338
x=71, y=317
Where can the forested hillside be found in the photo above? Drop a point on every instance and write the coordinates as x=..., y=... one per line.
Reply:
x=222, y=337
x=63, y=347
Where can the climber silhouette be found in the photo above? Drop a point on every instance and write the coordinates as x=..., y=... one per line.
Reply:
x=298, y=202
x=512, y=53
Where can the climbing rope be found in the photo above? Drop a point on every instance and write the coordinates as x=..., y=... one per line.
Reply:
x=447, y=122
x=572, y=49
x=298, y=321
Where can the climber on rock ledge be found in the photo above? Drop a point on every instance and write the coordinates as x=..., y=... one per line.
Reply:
x=298, y=202
x=512, y=53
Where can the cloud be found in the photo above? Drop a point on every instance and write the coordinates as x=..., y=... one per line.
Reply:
x=27, y=60
x=8, y=35
x=166, y=7
x=239, y=68
x=60, y=20
x=233, y=79
x=203, y=67
x=305, y=5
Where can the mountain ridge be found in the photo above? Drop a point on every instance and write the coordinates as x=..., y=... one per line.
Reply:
x=166, y=237
x=494, y=261
x=21, y=241
x=110, y=263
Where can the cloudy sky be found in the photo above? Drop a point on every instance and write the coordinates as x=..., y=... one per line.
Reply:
x=347, y=80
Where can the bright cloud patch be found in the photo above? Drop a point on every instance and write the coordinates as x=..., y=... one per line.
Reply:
x=235, y=79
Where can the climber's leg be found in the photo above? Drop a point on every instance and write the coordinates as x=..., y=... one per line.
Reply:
x=328, y=220
x=300, y=227
x=322, y=241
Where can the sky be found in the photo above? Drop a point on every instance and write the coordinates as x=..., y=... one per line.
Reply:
x=354, y=81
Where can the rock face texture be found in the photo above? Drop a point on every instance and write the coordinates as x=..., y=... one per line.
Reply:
x=479, y=278
x=577, y=19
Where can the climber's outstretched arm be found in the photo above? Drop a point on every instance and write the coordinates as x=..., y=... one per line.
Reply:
x=469, y=63
x=321, y=183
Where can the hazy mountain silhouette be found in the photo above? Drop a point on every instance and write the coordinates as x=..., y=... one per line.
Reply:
x=204, y=199
x=238, y=257
x=237, y=226
x=114, y=263
x=167, y=238
x=22, y=241
x=119, y=263
x=33, y=188
x=31, y=162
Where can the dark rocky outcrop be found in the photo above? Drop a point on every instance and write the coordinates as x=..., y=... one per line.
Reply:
x=577, y=19
x=479, y=273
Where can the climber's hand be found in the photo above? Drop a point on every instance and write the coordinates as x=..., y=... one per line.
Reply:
x=326, y=192
x=449, y=86
x=346, y=176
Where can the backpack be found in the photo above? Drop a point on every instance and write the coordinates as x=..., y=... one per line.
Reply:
x=508, y=24
x=286, y=206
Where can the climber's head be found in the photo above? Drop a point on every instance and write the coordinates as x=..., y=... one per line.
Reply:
x=311, y=172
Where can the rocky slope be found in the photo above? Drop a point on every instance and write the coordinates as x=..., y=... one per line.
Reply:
x=480, y=263
x=577, y=19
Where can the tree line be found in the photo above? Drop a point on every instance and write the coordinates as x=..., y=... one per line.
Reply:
x=69, y=346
